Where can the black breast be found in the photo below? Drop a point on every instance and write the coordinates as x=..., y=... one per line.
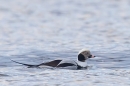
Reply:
x=79, y=67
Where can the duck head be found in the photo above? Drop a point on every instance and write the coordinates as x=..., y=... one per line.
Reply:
x=84, y=54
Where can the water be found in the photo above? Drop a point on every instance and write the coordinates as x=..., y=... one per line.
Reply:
x=40, y=30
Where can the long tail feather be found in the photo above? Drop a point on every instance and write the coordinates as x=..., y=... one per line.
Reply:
x=29, y=65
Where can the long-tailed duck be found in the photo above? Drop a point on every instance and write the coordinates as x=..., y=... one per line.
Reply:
x=83, y=55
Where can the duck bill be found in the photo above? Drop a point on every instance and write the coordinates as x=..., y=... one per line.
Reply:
x=93, y=56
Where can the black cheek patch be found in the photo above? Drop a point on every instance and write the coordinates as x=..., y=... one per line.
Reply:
x=81, y=57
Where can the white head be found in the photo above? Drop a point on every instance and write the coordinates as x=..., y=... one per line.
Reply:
x=84, y=54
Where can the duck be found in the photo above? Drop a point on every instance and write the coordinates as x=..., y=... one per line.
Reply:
x=80, y=63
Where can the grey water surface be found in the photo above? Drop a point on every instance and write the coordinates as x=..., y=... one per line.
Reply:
x=36, y=31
